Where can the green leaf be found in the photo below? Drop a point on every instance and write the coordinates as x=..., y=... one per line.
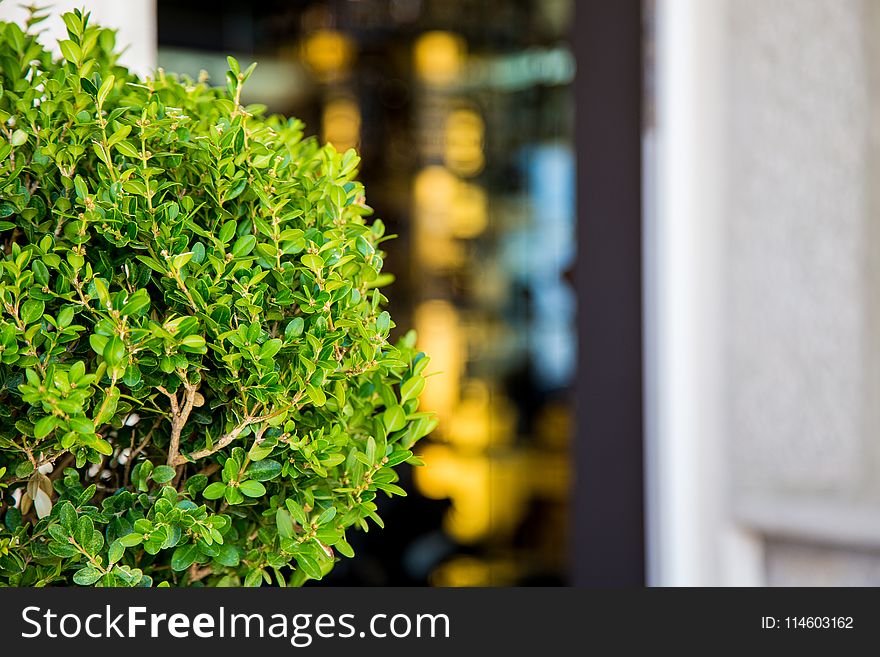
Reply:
x=65, y=316
x=214, y=491
x=254, y=578
x=394, y=418
x=230, y=469
x=105, y=89
x=228, y=556
x=180, y=260
x=32, y=310
x=263, y=470
x=45, y=426
x=67, y=517
x=243, y=246
x=109, y=405
x=81, y=425
x=70, y=51
x=137, y=303
x=296, y=511
x=411, y=388
x=193, y=343
x=88, y=87
x=84, y=530
x=227, y=231
x=316, y=395
x=19, y=138
x=41, y=272
x=284, y=523
x=119, y=135
x=236, y=189
x=252, y=488
x=115, y=551
x=126, y=149
x=392, y=489
x=87, y=576
x=233, y=495
x=24, y=469
x=383, y=322
x=153, y=264
x=259, y=451
x=309, y=566
x=63, y=550
x=294, y=328
x=162, y=474
x=371, y=450
x=81, y=190
x=233, y=65
x=313, y=262
x=196, y=483
x=184, y=556
x=327, y=515
x=131, y=540
x=344, y=548
x=114, y=352
x=270, y=348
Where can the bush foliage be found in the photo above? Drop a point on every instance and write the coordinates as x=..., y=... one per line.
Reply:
x=196, y=379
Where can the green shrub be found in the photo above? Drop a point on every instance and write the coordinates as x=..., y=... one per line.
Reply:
x=192, y=333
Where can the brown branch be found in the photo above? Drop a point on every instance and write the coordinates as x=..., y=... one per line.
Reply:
x=229, y=437
x=179, y=416
x=196, y=574
x=223, y=442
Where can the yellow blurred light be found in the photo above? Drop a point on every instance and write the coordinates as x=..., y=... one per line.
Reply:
x=487, y=494
x=462, y=571
x=341, y=124
x=464, y=136
x=434, y=187
x=469, y=427
x=328, y=53
x=446, y=208
x=464, y=480
x=438, y=328
x=439, y=57
x=472, y=571
x=433, y=190
x=480, y=421
x=470, y=211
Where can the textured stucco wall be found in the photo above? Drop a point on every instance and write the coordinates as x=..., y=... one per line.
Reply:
x=801, y=281
x=796, y=242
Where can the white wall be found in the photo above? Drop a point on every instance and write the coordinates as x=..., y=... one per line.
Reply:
x=135, y=21
x=691, y=538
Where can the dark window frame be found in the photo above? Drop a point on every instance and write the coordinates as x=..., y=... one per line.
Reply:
x=609, y=518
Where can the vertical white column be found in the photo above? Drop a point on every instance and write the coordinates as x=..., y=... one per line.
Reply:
x=135, y=21
x=690, y=539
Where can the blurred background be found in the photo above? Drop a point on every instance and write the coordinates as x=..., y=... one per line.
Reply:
x=462, y=112
x=761, y=154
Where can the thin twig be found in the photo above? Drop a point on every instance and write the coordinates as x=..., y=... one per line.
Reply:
x=140, y=448
x=232, y=435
